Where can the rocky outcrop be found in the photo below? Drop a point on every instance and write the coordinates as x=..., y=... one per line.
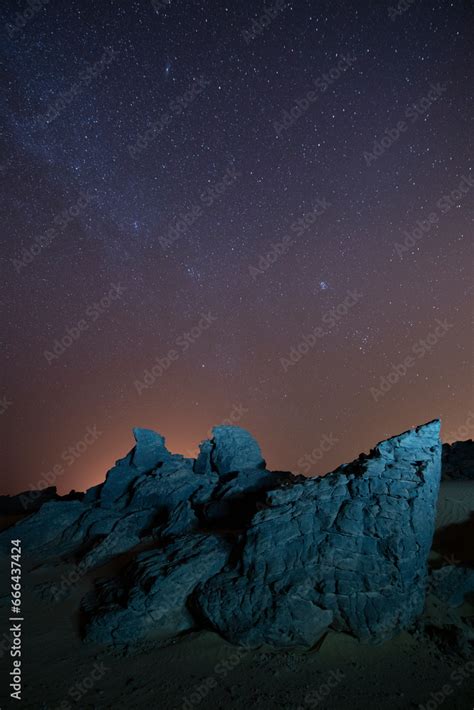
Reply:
x=32, y=500
x=348, y=551
x=139, y=499
x=151, y=599
x=231, y=449
x=27, y=502
x=458, y=461
x=261, y=557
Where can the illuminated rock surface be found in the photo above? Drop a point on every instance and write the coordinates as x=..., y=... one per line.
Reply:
x=260, y=557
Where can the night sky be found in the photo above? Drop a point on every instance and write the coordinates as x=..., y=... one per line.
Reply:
x=271, y=215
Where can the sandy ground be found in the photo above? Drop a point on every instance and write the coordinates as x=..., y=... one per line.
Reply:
x=202, y=671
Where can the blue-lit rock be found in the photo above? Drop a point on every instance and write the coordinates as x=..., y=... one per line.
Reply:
x=230, y=449
x=151, y=599
x=260, y=557
x=353, y=544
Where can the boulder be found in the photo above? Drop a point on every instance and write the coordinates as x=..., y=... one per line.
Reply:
x=150, y=601
x=452, y=584
x=351, y=547
x=149, y=450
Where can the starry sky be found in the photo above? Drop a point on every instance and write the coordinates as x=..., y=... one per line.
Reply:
x=253, y=213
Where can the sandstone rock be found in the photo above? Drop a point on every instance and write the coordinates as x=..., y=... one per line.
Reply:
x=169, y=485
x=202, y=464
x=181, y=520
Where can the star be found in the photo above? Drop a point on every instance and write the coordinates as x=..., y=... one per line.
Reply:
x=241, y=188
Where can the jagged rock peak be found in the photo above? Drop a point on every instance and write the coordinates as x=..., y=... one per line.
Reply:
x=422, y=436
x=149, y=449
x=230, y=449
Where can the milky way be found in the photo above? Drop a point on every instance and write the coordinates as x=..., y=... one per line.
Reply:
x=253, y=213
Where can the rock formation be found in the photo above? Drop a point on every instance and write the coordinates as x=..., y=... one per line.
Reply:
x=32, y=500
x=260, y=557
x=347, y=551
x=27, y=502
x=458, y=461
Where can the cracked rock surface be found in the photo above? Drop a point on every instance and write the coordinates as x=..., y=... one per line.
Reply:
x=260, y=557
x=347, y=551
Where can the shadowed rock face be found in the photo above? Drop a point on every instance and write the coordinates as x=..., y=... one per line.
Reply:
x=458, y=461
x=259, y=556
